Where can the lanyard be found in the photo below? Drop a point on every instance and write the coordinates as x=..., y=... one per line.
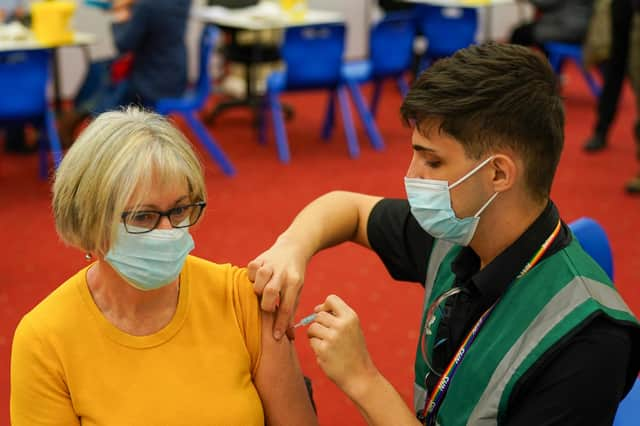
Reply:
x=431, y=406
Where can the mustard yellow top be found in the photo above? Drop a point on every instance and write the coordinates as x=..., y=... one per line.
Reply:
x=70, y=366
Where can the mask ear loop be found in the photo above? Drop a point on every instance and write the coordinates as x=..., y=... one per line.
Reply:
x=486, y=204
x=475, y=169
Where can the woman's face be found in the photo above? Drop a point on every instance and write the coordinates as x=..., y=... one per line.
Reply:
x=160, y=198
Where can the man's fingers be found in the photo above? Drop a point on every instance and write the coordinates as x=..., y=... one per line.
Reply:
x=263, y=277
x=319, y=331
x=326, y=319
x=270, y=297
x=252, y=269
x=283, y=319
x=333, y=304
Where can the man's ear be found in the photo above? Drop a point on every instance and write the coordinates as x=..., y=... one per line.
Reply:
x=505, y=172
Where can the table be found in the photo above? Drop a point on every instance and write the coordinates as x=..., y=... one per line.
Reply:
x=30, y=43
x=264, y=16
x=487, y=5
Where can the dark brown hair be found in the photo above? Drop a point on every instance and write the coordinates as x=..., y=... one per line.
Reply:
x=495, y=96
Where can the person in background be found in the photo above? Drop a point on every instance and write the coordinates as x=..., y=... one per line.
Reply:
x=15, y=140
x=556, y=20
x=516, y=314
x=147, y=334
x=615, y=69
x=11, y=9
x=153, y=32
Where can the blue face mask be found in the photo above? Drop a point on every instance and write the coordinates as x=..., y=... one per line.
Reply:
x=151, y=260
x=430, y=202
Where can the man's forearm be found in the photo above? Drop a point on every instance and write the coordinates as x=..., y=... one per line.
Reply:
x=329, y=220
x=381, y=405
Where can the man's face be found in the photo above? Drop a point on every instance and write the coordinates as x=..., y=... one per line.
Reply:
x=437, y=155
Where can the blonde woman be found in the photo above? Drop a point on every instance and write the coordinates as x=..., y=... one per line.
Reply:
x=146, y=334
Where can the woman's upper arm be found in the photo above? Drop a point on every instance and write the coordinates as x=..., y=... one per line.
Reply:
x=279, y=381
x=39, y=395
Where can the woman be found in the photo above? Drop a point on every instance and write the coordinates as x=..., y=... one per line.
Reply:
x=146, y=334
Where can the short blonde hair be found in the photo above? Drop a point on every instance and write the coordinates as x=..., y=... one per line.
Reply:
x=119, y=153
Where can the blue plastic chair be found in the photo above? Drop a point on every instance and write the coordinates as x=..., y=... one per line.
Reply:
x=194, y=100
x=313, y=58
x=628, y=413
x=560, y=52
x=23, y=99
x=390, y=56
x=593, y=239
x=447, y=30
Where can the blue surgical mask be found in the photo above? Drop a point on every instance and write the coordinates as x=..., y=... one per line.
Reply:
x=430, y=202
x=151, y=260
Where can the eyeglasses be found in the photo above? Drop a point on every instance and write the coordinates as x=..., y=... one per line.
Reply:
x=142, y=221
x=429, y=320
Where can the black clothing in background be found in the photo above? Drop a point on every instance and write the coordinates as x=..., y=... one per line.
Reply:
x=615, y=68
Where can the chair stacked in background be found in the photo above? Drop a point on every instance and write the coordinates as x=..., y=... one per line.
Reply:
x=24, y=76
x=561, y=52
x=194, y=100
x=446, y=29
x=390, y=56
x=313, y=56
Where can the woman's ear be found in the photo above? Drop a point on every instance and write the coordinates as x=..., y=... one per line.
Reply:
x=505, y=171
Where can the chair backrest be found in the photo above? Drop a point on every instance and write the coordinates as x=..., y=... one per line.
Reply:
x=593, y=239
x=208, y=41
x=447, y=29
x=313, y=55
x=23, y=83
x=628, y=412
x=391, y=44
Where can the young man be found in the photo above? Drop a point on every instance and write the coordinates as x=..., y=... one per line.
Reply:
x=532, y=331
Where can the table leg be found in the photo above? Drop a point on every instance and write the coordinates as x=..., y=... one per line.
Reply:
x=252, y=99
x=57, y=96
x=488, y=18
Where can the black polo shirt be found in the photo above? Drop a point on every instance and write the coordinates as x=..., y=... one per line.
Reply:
x=580, y=381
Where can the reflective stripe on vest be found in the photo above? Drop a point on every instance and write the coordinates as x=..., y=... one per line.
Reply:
x=438, y=252
x=578, y=291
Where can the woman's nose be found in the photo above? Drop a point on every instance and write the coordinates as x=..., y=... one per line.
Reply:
x=164, y=223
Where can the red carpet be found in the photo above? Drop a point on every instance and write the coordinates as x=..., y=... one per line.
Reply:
x=247, y=212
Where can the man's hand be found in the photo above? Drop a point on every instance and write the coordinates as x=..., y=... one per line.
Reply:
x=278, y=276
x=341, y=351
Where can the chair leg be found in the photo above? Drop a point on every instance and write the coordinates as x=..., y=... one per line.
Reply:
x=49, y=142
x=43, y=156
x=263, y=125
x=593, y=85
x=403, y=86
x=329, y=119
x=278, y=127
x=555, y=61
x=375, y=98
x=366, y=116
x=209, y=143
x=347, y=121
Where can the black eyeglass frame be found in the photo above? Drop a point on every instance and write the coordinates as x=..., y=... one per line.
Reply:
x=167, y=214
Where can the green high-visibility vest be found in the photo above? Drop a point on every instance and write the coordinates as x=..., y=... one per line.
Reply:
x=535, y=312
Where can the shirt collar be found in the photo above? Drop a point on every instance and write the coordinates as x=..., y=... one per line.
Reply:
x=492, y=281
